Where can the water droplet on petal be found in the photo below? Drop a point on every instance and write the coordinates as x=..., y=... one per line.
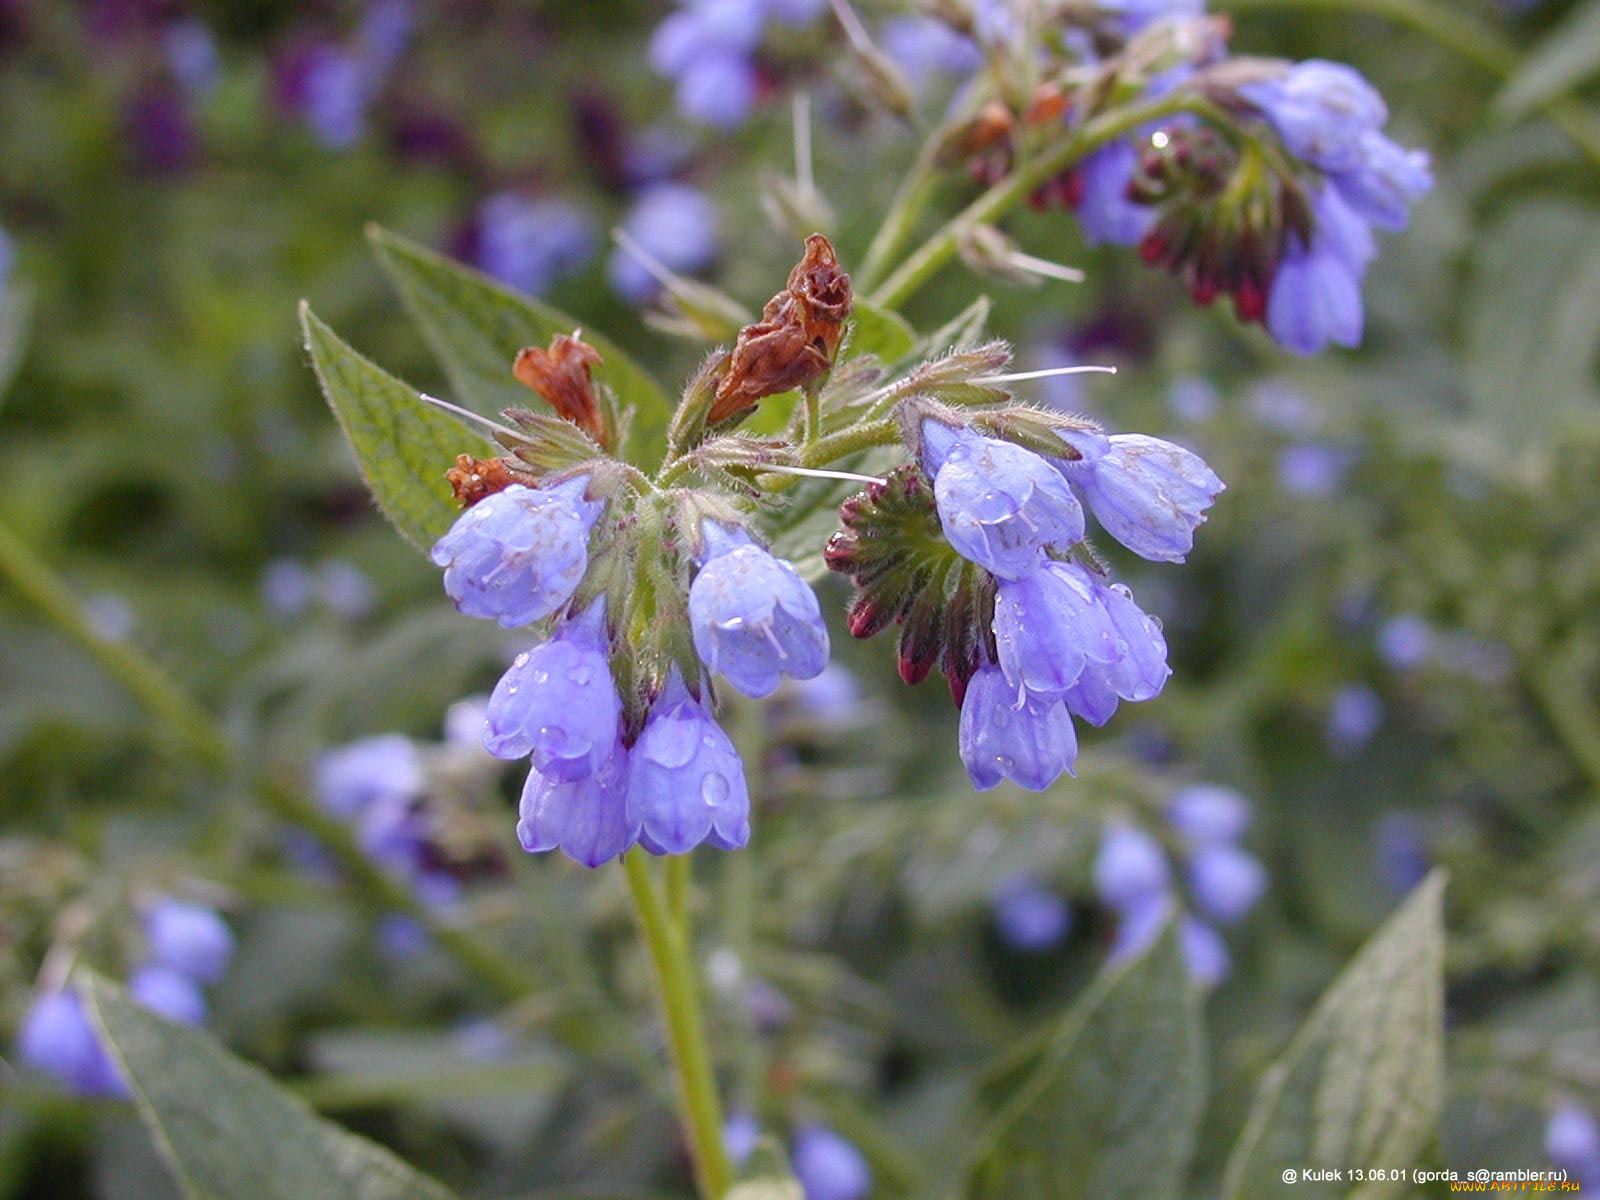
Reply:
x=714, y=790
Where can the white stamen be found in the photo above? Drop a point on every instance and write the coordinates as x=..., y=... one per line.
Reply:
x=1043, y=266
x=467, y=415
x=853, y=29
x=1018, y=376
x=819, y=473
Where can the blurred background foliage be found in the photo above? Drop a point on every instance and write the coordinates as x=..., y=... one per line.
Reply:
x=1387, y=638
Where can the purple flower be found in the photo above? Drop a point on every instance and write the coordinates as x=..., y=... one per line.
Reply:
x=1104, y=210
x=1147, y=493
x=345, y=589
x=189, y=938
x=589, y=819
x=1402, y=851
x=350, y=778
x=829, y=1167
x=1138, y=673
x=685, y=780
x=1130, y=868
x=518, y=555
x=1572, y=1140
x=170, y=993
x=1404, y=642
x=531, y=243
x=740, y=1133
x=1008, y=732
x=1313, y=468
x=1029, y=915
x=57, y=1038
x=192, y=56
x=287, y=586
x=1136, y=14
x=1354, y=716
x=832, y=697
x=718, y=89
x=558, y=703
x=1207, y=815
x=1385, y=183
x=1321, y=110
x=999, y=504
x=333, y=96
x=923, y=47
x=1315, y=299
x=1049, y=626
x=1138, y=924
x=1204, y=952
x=1225, y=881
x=673, y=223
x=796, y=12
x=753, y=618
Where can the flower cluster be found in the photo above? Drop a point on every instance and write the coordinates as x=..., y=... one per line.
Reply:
x=186, y=946
x=1034, y=634
x=1133, y=878
x=609, y=767
x=708, y=48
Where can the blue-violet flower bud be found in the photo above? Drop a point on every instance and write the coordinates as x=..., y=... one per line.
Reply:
x=829, y=1167
x=557, y=702
x=1141, y=671
x=1010, y=733
x=753, y=618
x=170, y=993
x=686, y=783
x=588, y=819
x=57, y=1038
x=1206, y=814
x=1321, y=110
x=1149, y=494
x=1130, y=867
x=1226, y=882
x=190, y=938
x=518, y=555
x=1029, y=915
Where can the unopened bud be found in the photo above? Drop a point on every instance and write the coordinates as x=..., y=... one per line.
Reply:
x=562, y=376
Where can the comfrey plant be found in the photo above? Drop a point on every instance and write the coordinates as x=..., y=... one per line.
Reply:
x=660, y=556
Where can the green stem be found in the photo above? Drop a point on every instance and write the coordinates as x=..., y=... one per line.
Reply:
x=680, y=1002
x=1016, y=187
x=909, y=201
x=835, y=446
x=198, y=732
x=679, y=878
x=1469, y=37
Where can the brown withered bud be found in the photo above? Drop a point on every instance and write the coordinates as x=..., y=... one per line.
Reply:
x=991, y=129
x=561, y=375
x=472, y=479
x=794, y=341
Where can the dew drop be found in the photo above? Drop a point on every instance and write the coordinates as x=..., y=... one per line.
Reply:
x=714, y=790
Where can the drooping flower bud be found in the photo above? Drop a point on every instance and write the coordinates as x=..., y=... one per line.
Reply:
x=518, y=555
x=1011, y=733
x=1149, y=494
x=588, y=819
x=190, y=938
x=562, y=376
x=1049, y=626
x=686, y=782
x=171, y=993
x=1138, y=673
x=557, y=702
x=57, y=1038
x=753, y=618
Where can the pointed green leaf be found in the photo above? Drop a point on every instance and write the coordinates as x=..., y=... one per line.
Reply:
x=1113, y=1107
x=879, y=331
x=227, y=1130
x=475, y=327
x=1565, y=57
x=403, y=445
x=1363, y=1080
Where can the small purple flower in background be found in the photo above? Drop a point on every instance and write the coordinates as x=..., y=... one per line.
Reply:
x=1405, y=642
x=287, y=587
x=1147, y=493
x=1354, y=716
x=1572, y=1141
x=331, y=95
x=1402, y=851
x=189, y=938
x=109, y=616
x=1204, y=952
x=170, y=993
x=516, y=556
x=1104, y=209
x=192, y=56
x=530, y=243
x=673, y=223
x=829, y=1167
x=686, y=782
x=349, y=779
x=1131, y=867
x=740, y=1133
x=1225, y=882
x=1193, y=399
x=1205, y=814
x=708, y=48
x=925, y=48
x=1029, y=915
x=1136, y=14
x=345, y=589
x=57, y=1038
x=159, y=130
x=831, y=697
x=752, y=617
x=1313, y=469
x=8, y=260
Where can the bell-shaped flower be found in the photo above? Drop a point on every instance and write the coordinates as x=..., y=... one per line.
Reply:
x=1000, y=505
x=171, y=993
x=1321, y=110
x=1315, y=300
x=1139, y=673
x=1048, y=626
x=753, y=618
x=586, y=819
x=1009, y=733
x=190, y=938
x=1225, y=881
x=518, y=555
x=1130, y=868
x=557, y=702
x=56, y=1037
x=685, y=779
x=1104, y=209
x=1386, y=182
x=1147, y=493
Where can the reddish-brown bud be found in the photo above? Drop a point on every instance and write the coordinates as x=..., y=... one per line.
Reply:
x=474, y=478
x=561, y=375
x=796, y=338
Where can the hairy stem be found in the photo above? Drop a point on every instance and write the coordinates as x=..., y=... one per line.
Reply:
x=700, y=1108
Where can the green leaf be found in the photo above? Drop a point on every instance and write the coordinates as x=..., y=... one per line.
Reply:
x=1565, y=57
x=402, y=444
x=475, y=327
x=227, y=1130
x=879, y=331
x=1113, y=1108
x=1362, y=1082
